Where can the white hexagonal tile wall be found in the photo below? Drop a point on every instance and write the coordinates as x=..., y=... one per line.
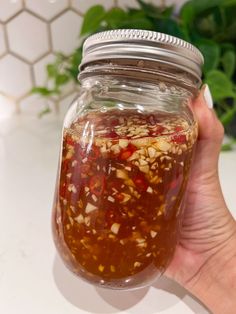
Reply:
x=8, y=8
x=2, y=41
x=40, y=72
x=65, y=32
x=28, y=36
x=7, y=109
x=15, y=77
x=46, y=8
x=82, y=6
x=34, y=104
x=132, y=3
x=65, y=103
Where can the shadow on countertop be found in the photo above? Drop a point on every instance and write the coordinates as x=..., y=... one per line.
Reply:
x=99, y=300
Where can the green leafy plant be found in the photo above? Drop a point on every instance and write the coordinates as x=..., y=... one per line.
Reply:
x=209, y=25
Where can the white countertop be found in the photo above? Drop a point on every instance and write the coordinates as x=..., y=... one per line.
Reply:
x=32, y=278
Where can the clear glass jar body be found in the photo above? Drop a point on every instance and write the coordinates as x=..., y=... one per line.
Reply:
x=125, y=160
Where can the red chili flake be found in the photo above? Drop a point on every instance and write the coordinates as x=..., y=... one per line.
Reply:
x=111, y=134
x=178, y=128
x=119, y=197
x=127, y=152
x=115, y=183
x=140, y=182
x=69, y=140
x=179, y=138
x=158, y=130
x=65, y=165
x=97, y=184
x=63, y=190
x=114, y=122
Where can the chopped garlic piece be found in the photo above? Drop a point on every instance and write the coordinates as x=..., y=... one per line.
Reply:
x=151, y=152
x=141, y=142
x=72, y=188
x=153, y=233
x=127, y=197
x=121, y=174
x=130, y=183
x=123, y=143
x=74, y=163
x=163, y=145
x=115, y=148
x=143, y=162
x=137, y=264
x=89, y=208
x=94, y=197
x=103, y=149
x=111, y=199
x=140, y=240
x=101, y=268
x=112, y=268
x=149, y=190
x=144, y=169
x=86, y=189
x=87, y=221
x=71, y=220
x=115, y=228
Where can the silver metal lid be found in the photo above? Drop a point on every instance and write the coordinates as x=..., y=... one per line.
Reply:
x=144, y=45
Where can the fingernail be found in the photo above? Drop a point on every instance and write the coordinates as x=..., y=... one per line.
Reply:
x=207, y=96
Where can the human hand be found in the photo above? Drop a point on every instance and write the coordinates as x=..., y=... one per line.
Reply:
x=205, y=258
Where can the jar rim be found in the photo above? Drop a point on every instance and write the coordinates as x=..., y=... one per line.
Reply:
x=142, y=44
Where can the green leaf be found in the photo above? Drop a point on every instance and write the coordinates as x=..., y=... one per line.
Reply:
x=154, y=11
x=220, y=85
x=228, y=116
x=194, y=8
x=227, y=3
x=187, y=13
x=44, y=91
x=43, y=112
x=226, y=147
x=92, y=19
x=228, y=62
x=52, y=70
x=61, y=79
x=169, y=26
x=73, y=67
x=141, y=23
x=211, y=53
x=115, y=17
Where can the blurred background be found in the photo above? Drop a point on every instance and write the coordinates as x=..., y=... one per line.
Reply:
x=35, y=33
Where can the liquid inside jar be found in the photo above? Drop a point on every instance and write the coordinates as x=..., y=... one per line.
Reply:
x=118, y=203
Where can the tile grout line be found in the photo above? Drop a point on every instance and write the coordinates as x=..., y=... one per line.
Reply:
x=9, y=52
x=6, y=38
x=32, y=75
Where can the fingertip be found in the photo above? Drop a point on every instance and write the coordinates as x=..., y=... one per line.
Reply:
x=207, y=96
x=208, y=123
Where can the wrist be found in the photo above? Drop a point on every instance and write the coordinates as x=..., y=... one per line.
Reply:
x=215, y=282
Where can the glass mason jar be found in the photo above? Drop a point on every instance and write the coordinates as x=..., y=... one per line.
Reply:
x=128, y=143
